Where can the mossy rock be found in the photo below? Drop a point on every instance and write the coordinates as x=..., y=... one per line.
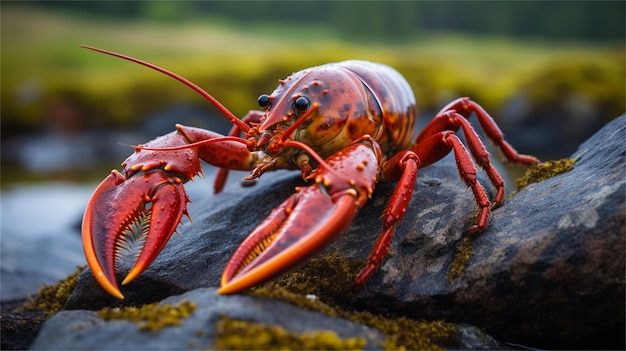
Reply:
x=253, y=322
x=244, y=335
x=152, y=317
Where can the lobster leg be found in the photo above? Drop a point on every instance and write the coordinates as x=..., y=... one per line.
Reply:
x=402, y=167
x=309, y=220
x=224, y=154
x=465, y=107
x=439, y=145
x=454, y=117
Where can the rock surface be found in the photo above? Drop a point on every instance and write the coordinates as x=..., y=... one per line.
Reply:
x=85, y=330
x=548, y=272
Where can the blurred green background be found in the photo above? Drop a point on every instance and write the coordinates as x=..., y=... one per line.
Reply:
x=550, y=73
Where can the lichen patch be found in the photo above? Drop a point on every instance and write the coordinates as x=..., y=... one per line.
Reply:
x=151, y=317
x=235, y=334
x=543, y=171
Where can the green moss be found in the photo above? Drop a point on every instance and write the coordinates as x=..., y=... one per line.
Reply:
x=151, y=317
x=51, y=298
x=333, y=297
x=330, y=277
x=463, y=253
x=310, y=303
x=544, y=170
x=233, y=334
x=401, y=333
x=408, y=334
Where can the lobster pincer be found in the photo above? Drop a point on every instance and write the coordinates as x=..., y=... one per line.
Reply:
x=149, y=205
x=309, y=220
x=146, y=202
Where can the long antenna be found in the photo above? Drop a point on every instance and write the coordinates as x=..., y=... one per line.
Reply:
x=193, y=86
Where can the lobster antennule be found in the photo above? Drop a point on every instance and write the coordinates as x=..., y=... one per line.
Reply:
x=183, y=80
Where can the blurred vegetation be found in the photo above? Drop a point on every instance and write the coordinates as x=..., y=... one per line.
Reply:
x=549, y=53
x=578, y=82
x=387, y=21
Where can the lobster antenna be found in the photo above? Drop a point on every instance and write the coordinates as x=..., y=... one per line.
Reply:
x=190, y=145
x=193, y=86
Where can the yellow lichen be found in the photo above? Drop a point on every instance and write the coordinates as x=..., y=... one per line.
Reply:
x=544, y=170
x=401, y=333
x=463, y=254
x=51, y=298
x=234, y=334
x=150, y=317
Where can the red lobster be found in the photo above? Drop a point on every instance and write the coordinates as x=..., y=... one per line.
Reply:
x=345, y=126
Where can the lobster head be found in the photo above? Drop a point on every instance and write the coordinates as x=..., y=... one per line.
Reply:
x=344, y=109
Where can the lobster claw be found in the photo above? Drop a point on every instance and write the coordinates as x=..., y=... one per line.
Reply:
x=146, y=206
x=302, y=226
x=309, y=220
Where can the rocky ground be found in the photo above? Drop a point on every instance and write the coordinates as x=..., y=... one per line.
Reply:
x=547, y=273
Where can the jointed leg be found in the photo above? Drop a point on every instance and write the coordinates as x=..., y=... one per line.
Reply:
x=402, y=166
x=452, y=121
x=434, y=142
x=454, y=117
x=465, y=107
x=439, y=145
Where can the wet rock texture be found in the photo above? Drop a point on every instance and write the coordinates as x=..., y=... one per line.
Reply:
x=84, y=329
x=547, y=273
x=201, y=330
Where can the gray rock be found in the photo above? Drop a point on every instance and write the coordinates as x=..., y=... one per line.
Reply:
x=547, y=272
x=82, y=329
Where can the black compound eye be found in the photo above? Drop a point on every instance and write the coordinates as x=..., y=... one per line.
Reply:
x=264, y=101
x=301, y=104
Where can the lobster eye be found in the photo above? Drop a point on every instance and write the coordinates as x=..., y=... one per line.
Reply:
x=301, y=104
x=264, y=101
